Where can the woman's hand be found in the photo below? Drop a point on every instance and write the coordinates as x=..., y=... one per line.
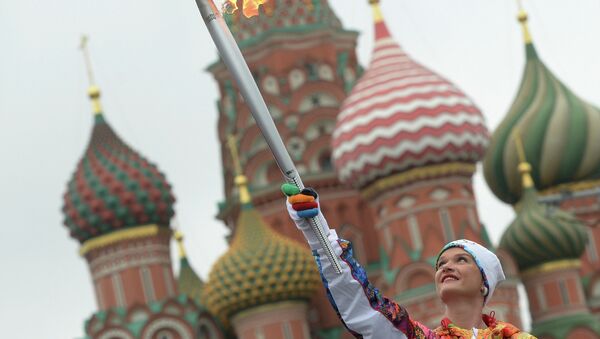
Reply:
x=302, y=205
x=304, y=202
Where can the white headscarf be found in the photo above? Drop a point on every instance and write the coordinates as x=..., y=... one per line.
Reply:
x=488, y=263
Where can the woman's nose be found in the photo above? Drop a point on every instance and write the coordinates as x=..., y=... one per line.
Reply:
x=447, y=267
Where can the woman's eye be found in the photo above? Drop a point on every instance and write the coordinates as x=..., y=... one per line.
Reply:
x=462, y=259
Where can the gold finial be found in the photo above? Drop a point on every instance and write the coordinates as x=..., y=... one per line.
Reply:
x=524, y=167
x=377, y=14
x=522, y=17
x=240, y=179
x=93, y=90
x=179, y=238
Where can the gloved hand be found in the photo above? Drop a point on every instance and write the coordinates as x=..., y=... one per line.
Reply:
x=301, y=206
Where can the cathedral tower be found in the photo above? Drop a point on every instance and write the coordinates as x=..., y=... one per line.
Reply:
x=304, y=63
x=118, y=206
x=561, y=140
x=546, y=244
x=409, y=140
x=262, y=285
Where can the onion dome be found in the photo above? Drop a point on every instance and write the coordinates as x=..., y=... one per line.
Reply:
x=260, y=267
x=541, y=234
x=282, y=16
x=401, y=115
x=563, y=133
x=188, y=281
x=113, y=186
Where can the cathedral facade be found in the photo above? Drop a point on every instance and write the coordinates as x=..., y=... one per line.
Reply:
x=391, y=148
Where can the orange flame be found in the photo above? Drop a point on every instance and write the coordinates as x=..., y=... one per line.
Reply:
x=250, y=7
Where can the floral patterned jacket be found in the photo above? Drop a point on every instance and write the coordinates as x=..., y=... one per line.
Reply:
x=368, y=314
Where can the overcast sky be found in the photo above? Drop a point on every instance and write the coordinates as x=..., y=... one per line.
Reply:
x=149, y=59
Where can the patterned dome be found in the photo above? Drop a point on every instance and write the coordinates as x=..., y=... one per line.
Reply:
x=400, y=115
x=281, y=16
x=562, y=142
x=539, y=235
x=260, y=267
x=114, y=187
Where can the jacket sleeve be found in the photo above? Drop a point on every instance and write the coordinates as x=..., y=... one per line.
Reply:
x=360, y=306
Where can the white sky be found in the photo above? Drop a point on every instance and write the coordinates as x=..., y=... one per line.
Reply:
x=149, y=61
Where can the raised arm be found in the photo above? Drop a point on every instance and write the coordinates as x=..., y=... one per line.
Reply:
x=360, y=306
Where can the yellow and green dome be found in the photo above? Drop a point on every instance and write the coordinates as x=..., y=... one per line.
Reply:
x=260, y=267
x=538, y=234
x=561, y=133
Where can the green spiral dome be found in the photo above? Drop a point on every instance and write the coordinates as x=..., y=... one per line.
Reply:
x=561, y=135
x=260, y=267
x=540, y=234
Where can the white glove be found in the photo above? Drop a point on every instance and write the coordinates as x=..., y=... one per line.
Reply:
x=301, y=206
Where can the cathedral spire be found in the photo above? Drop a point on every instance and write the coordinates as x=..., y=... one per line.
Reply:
x=180, y=246
x=377, y=14
x=93, y=90
x=240, y=179
x=522, y=17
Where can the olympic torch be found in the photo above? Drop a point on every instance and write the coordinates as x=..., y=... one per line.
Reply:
x=235, y=62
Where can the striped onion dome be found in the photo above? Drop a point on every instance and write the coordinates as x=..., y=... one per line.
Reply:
x=539, y=234
x=260, y=267
x=401, y=115
x=284, y=16
x=114, y=187
x=562, y=139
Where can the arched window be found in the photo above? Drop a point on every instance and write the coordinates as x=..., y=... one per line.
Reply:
x=325, y=161
x=354, y=235
x=273, y=173
x=114, y=333
x=319, y=128
x=414, y=275
x=206, y=329
x=316, y=100
x=596, y=289
x=296, y=78
x=165, y=334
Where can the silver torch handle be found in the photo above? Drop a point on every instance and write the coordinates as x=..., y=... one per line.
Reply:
x=234, y=60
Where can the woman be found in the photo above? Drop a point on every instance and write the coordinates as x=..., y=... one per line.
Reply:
x=465, y=278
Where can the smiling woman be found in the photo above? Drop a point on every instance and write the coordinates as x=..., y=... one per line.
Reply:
x=465, y=279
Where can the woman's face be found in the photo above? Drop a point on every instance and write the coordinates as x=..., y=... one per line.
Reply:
x=457, y=275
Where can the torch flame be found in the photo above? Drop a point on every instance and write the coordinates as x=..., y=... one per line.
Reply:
x=250, y=7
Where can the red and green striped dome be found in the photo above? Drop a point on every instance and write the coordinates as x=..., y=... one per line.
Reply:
x=561, y=134
x=539, y=235
x=114, y=188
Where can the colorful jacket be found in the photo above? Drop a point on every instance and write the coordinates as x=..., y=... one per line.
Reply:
x=368, y=314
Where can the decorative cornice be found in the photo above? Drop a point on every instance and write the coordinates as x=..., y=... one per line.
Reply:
x=118, y=236
x=416, y=174
x=143, y=256
x=273, y=307
x=572, y=187
x=342, y=40
x=550, y=267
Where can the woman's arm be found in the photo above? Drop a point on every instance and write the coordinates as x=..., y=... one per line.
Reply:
x=360, y=306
